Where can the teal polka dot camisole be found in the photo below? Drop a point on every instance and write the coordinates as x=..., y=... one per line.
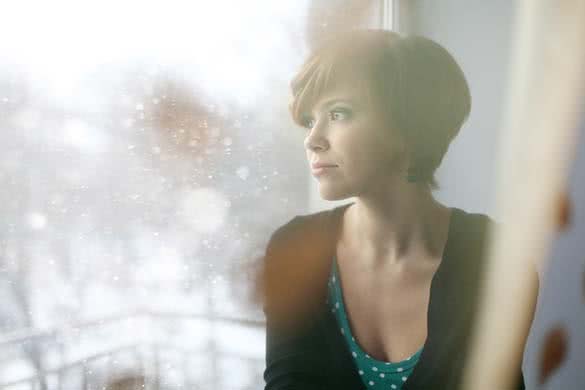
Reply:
x=375, y=374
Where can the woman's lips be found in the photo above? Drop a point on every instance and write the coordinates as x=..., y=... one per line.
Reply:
x=320, y=169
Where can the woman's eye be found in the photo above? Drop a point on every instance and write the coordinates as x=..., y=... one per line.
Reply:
x=334, y=115
x=338, y=114
x=309, y=123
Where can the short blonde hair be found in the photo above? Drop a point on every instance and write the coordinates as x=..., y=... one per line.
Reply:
x=417, y=84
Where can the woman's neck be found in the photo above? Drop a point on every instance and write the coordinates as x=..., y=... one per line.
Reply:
x=396, y=229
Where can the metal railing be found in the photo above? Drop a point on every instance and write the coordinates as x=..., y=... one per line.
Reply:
x=154, y=362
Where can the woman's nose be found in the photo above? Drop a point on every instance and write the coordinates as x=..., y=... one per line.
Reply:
x=316, y=139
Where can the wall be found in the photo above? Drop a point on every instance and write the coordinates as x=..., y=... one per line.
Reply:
x=477, y=33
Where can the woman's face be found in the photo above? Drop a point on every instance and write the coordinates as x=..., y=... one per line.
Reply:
x=350, y=136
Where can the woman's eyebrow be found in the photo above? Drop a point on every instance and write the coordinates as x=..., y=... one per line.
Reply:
x=330, y=102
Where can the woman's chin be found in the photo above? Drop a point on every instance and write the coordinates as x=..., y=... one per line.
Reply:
x=333, y=194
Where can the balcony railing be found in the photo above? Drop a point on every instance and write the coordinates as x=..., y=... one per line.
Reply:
x=144, y=350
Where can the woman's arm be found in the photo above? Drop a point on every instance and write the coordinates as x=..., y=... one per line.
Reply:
x=294, y=358
x=295, y=348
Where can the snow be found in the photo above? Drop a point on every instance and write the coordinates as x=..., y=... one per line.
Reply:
x=204, y=209
x=78, y=134
x=243, y=172
x=105, y=214
x=37, y=221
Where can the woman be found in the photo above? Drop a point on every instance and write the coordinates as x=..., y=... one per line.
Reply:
x=378, y=293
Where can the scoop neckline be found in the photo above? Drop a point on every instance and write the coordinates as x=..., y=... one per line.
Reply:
x=381, y=365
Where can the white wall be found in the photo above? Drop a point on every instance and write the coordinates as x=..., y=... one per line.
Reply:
x=478, y=34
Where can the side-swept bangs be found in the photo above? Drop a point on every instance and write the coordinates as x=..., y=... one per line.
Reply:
x=335, y=61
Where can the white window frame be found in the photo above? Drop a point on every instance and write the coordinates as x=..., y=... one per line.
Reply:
x=389, y=14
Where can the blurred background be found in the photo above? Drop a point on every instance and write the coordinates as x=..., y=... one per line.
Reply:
x=148, y=154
